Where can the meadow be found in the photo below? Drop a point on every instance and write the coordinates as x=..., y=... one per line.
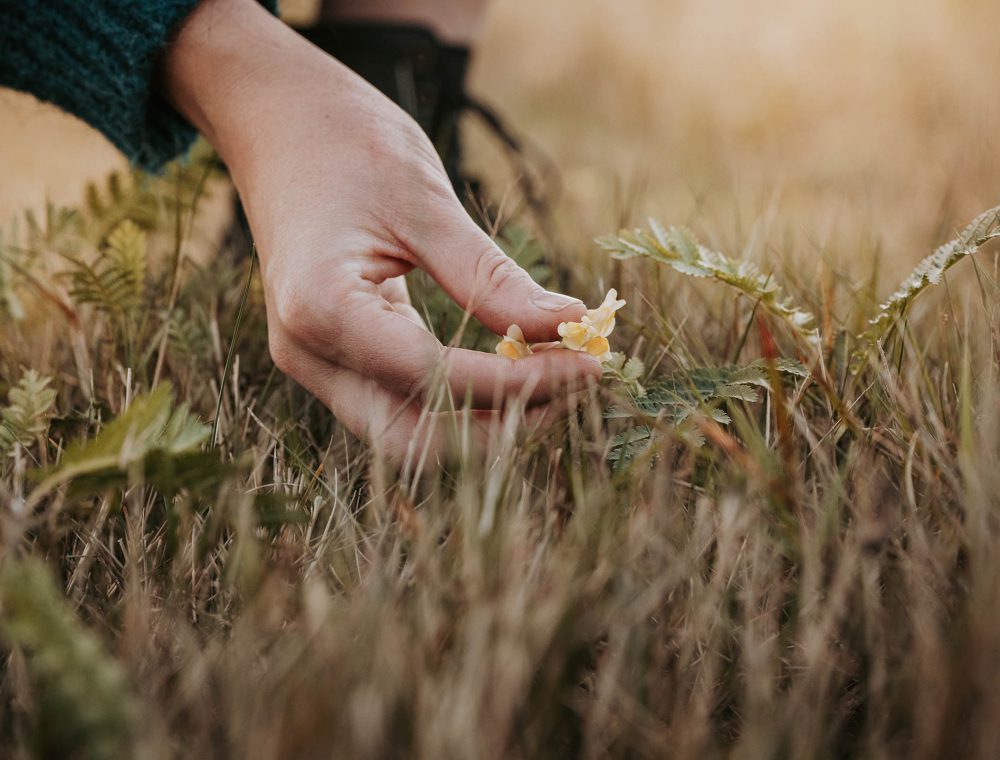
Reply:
x=774, y=532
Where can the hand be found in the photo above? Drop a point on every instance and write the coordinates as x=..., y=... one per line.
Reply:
x=345, y=194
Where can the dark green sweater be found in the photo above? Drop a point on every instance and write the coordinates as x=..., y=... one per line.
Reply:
x=95, y=59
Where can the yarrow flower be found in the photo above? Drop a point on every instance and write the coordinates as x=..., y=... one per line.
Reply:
x=513, y=345
x=589, y=335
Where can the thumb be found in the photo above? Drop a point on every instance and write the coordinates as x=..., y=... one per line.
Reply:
x=485, y=281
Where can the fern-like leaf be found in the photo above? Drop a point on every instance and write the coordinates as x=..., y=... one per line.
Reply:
x=678, y=395
x=930, y=271
x=28, y=411
x=115, y=282
x=679, y=249
x=58, y=232
x=148, y=200
x=190, y=339
x=10, y=302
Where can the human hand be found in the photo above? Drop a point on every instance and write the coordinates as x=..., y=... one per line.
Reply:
x=345, y=194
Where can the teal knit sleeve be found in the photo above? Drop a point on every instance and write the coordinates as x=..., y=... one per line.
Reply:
x=95, y=59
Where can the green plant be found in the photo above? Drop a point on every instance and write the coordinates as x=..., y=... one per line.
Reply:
x=788, y=556
x=81, y=703
x=29, y=408
x=679, y=249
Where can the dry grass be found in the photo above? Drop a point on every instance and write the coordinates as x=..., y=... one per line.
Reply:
x=820, y=578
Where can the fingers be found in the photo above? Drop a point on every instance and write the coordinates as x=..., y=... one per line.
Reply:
x=393, y=425
x=488, y=380
x=485, y=281
x=394, y=291
x=371, y=336
x=388, y=347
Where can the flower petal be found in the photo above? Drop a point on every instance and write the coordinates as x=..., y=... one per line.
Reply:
x=597, y=346
x=513, y=346
x=514, y=332
x=602, y=319
x=575, y=334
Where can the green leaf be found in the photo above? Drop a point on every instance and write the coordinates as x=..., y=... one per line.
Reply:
x=115, y=283
x=930, y=271
x=82, y=703
x=675, y=396
x=626, y=446
x=151, y=431
x=28, y=411
x=679, y=249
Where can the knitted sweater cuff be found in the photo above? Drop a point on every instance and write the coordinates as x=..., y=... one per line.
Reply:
x=96, y=60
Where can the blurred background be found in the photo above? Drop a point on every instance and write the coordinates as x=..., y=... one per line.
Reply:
x=802, y=127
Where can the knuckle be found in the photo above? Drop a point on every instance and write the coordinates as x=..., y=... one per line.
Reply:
x=415, y=387
x=289, y=309
x=307, y=319
x=497, y=270
x=281, y=352
x=410, y=380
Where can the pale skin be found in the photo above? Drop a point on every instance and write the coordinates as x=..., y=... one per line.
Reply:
x=345, y=194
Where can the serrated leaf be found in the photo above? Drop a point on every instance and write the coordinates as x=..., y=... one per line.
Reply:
x=626, y=446
x=738, y=392
x=679, y=249
x=151, y=427
x=720, y=416
x=633, y=369
x=930, y=271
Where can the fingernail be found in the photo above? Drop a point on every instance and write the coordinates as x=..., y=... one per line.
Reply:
x=549, y=301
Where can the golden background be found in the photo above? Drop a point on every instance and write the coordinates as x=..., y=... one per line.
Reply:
x=840, y=127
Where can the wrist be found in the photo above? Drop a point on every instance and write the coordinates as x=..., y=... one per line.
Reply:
x=229, y=60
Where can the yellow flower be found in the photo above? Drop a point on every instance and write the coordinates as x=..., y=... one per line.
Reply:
x=513, y=346
x=589, y=335
x=598, y=346
x=602, y=319
x=575, y=335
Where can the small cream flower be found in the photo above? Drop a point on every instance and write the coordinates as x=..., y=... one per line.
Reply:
x=590, y=334
x=513, y=346
x=602, y=319
x=575, y=335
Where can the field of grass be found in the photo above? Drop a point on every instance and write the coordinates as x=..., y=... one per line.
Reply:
x=777, y=535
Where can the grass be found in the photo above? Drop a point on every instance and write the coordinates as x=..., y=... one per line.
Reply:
x=788, y=547
x=787, y=564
